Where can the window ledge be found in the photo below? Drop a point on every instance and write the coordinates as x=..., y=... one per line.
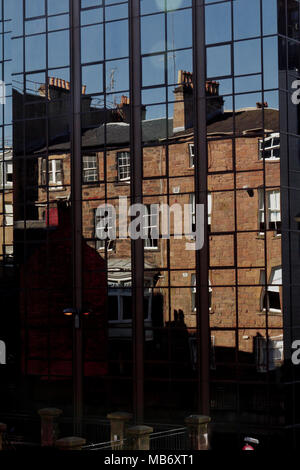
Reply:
x=261, y=236
x=55, y=188
x=272, y=312
x=87, y=185
x=269, y=160
x=101, y=250
x=122, y=183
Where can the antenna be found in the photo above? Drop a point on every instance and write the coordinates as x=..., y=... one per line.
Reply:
x=112, y=82
x=173, y=47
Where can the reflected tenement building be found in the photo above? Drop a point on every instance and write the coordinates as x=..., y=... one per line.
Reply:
x=101, y=110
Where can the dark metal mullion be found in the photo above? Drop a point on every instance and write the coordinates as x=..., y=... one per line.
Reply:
x=3, y=162
x=76, y=207
x=266, y=214
x=168, y=241
x=105, y=165
x=105, y=134
x=237, y=339
x=286, y=221
x=24, y=197
x=47, y=188
x=201, y=169
x=136, y=187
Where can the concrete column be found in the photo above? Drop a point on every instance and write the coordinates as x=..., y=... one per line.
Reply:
x=139, y=437
x=118, y=427
x=198, y=432
x=3, y=428
x=70, y=443
x=49, y=426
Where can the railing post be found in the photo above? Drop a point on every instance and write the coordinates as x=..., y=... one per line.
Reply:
x=198, y=432
x=70, y=443
x=3, y=428
x=49, y=426
x=139, y=437
x=118, y=427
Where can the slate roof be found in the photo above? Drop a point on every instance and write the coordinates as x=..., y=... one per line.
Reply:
x=247, y=121
x=118, y=133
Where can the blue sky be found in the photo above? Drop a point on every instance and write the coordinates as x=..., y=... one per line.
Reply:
x=246, y=51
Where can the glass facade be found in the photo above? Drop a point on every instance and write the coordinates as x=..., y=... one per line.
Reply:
x=113, y=110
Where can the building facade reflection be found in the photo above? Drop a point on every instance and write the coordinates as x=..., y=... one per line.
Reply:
x=146, y=300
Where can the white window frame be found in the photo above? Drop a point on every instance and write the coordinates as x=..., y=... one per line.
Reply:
x=209, y=209
x=53, y=170
x=276, y=275
x=192, y=155
x=270, y=210
x=123, y=164
x=120, y=293
x=8, y=214
x=89, y=168
x=194, y=290
x=261, y=210
x=5, y=165
x=193, y=210
x=100, y=244
x=267, y=144
x=275, y=343
x=212, y=352
x=54, y=182
x=148, y=224
x=275, y=211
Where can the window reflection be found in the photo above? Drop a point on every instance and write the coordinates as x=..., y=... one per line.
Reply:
x=218, y=61
x=241, y=135
x=218, y=23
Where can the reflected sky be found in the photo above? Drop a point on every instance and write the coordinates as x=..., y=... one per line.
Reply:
x=171, y=34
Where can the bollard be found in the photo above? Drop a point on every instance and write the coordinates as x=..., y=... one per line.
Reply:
x=3, y=428
x=118, y=428
x=198, y=432
x=139, y=437
x=70, y=443
x=49, y=426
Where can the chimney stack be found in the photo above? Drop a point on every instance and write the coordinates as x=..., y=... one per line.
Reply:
x=56, y=87
x=260, y=105
x=183, y=106
x=123, y=110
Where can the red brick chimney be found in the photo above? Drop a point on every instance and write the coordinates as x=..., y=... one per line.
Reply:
x=56, y=88
x=123, y=110
x=183, y=106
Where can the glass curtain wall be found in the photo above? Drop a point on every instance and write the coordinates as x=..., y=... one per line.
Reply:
x=168, y=104
x=245, y=268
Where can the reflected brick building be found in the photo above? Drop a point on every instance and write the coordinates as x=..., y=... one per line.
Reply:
x=259, y=222
x=100, y=108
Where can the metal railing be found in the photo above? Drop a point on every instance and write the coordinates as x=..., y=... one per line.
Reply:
x=109, y=445
x=169, y=439
x=174, y=439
